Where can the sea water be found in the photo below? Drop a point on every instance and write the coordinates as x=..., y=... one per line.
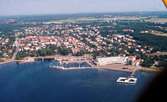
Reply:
x=36, y=82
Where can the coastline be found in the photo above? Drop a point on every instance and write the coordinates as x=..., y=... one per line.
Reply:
x=127, y=68
x=6, y=62
x=117, y=67
x=114, y=67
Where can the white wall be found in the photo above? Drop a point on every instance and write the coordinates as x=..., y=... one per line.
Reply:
x=112, y=60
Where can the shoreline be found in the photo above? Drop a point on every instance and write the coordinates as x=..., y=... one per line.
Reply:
x=113, y=67
x=117, y=67
x=127, y=68
x=6, y=62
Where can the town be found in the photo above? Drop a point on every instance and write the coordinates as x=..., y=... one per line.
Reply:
x=106, y=39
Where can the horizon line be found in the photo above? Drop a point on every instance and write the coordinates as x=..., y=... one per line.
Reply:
x=16, y=15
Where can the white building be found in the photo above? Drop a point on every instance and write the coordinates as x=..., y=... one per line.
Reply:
x=112, y=60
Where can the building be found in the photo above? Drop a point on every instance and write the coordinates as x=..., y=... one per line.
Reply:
x=112, y=60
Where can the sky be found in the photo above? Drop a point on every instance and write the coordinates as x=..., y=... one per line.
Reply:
x=30, y=7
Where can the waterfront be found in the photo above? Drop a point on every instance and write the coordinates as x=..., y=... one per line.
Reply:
x=83, y=59
x=36, y=82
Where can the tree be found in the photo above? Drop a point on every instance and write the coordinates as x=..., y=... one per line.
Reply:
x=64, y=51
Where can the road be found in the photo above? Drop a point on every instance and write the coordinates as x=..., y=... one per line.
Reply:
x=15, y=44
x=158, y=54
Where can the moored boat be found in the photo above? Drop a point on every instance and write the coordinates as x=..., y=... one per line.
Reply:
x=127, y=80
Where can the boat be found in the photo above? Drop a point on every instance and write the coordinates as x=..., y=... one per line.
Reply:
x=62, y=67
x=127, y=80
x=132, y=80
x=69, y=68
x=122, y=80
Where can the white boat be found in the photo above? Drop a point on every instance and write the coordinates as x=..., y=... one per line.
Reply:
x=122, y=80
x=70, y=68
x=132, y=80
x=127, y=80
x=61, y=67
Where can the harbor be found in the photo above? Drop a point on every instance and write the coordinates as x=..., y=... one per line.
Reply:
x=72, y=63
x=91, y=63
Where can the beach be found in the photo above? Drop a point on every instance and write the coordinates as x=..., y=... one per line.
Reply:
x=127, y=68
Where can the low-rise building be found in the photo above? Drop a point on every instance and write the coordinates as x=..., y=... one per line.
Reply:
x=112, y=60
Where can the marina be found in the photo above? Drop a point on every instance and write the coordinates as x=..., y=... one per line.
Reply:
x=70, y=65
x=87, y=59
x=80, y=65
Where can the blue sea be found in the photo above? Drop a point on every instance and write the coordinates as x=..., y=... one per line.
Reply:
x=36, y=82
